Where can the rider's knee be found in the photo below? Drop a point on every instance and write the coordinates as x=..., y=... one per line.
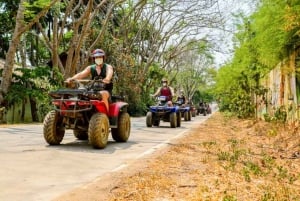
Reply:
x=105, y=94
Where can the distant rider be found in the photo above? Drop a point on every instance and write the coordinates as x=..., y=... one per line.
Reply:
x=181, y=98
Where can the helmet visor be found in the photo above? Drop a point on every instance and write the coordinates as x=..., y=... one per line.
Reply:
x=98, y=54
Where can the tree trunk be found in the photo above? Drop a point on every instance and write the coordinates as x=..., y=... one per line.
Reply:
x=23, y=110
x=13, y=114
x=55, y=43
x=34, y=114
x=20, y=28
x=9, y=63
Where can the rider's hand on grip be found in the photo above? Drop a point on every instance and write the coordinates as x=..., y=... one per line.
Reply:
x=69, y=80
x=106, y=81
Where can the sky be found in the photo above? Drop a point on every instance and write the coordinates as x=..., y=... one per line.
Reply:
x=224, y=50
x=206, y=11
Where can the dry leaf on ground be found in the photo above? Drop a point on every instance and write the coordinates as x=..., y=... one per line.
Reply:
x=222, y=159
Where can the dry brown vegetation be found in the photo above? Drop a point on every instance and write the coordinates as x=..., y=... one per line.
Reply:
x=222, y=159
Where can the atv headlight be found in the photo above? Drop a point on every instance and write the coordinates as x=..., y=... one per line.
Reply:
x=96, y=95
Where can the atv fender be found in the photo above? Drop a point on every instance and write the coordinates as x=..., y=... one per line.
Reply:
x=100, y=106
x=115, y=109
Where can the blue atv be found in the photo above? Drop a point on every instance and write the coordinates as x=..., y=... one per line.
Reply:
x=162, y=111
x=185, y=110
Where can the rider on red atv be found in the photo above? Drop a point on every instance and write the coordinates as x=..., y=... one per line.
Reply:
x=99, y=70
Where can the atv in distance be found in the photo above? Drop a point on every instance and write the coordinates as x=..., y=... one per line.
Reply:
x=193, y=110
x=163, y=112
x=202, y=109
x=185, y=110
x=83, y=111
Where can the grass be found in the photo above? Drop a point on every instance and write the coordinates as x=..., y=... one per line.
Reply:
x=229, y=161
x=236, y=162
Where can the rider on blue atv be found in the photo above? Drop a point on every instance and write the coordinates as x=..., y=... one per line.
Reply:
x=181, y=100
x=165, y=90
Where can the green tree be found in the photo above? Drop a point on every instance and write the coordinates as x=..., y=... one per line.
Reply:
x=20, y=28
x=194, y=67
x=139, y=37
x=264, y=39
x=31, y=85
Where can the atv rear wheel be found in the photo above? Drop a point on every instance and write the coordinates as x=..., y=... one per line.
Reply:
x=80, y=135
x=149, y=119
x=173, y=120
x=122, y=132
x=189, y=115
x=53, y=130
x=178, y=116
x=98, y=130
x=193, y=113
x=186, y=116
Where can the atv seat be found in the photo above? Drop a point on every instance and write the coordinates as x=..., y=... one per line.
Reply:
x=115, y=98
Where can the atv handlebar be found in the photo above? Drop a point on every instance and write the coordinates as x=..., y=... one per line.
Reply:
x=87, y=84
x=84, y=81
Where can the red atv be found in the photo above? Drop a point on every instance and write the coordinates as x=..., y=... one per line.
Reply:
x=82, y=110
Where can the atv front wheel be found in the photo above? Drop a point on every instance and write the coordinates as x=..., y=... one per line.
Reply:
x=53, y=130
x=173, y=120
x=98, y=130
x=149, y=119
x=122, y=132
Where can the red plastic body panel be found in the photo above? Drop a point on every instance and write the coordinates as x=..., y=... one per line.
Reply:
x=100, y=106
x=114, y=108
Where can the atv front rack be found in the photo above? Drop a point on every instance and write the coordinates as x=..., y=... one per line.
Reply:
x=73, y=100
x=72, y=106
x=83, y=94
x=162, y=109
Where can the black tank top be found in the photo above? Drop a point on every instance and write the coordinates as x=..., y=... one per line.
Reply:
x=102, y=75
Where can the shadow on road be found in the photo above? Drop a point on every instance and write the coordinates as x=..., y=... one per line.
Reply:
x=84, y=146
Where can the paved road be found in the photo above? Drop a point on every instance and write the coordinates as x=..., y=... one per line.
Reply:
x=33, y=171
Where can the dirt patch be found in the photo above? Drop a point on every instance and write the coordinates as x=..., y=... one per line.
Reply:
x=222, y=159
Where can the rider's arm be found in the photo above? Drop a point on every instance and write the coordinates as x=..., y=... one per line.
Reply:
x=109, y=74
x=157, y=92
x=172, y=91
x=85, y=73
